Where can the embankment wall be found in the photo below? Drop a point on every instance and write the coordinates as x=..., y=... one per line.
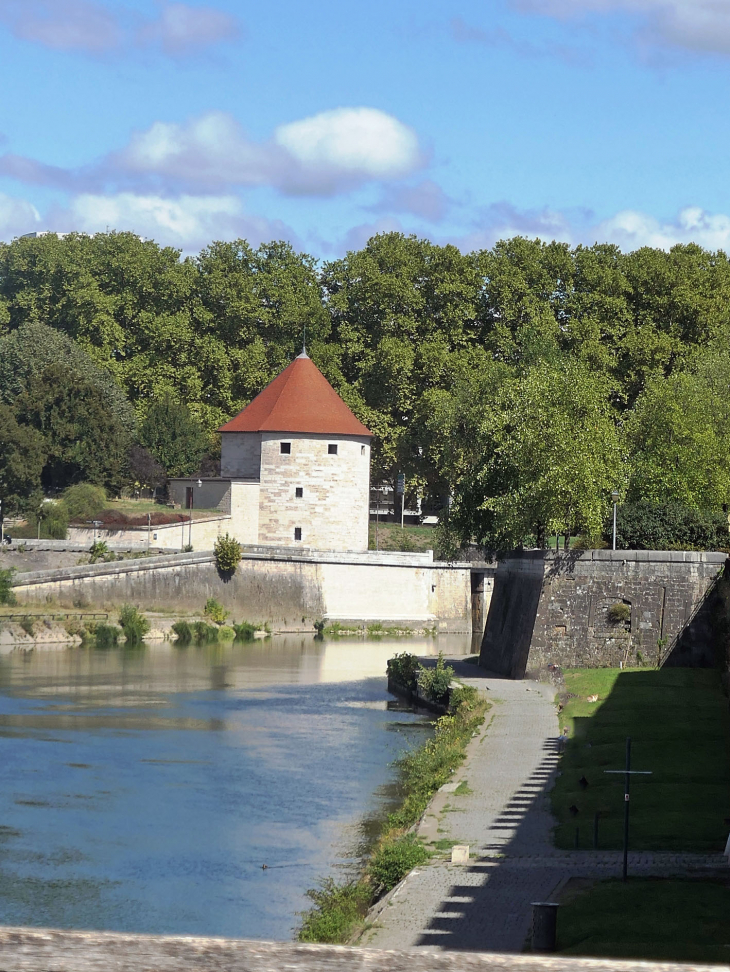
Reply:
x=290, y=589
x=552, y=608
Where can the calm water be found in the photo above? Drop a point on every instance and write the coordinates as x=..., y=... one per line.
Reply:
x=143, y=790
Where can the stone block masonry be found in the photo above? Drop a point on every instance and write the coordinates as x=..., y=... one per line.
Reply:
x=562, y=609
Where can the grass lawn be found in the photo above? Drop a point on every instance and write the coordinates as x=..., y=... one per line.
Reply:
x=679, y=722
x=682, y=921
x=410, y=538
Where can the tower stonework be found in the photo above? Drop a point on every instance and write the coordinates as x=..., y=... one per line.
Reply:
x=310, y=457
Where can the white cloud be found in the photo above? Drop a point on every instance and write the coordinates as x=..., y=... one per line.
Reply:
x=697, y=25
x=17, y=216
x=188, y=222
x=321, y=155
x=631, y=229
x=181, y=29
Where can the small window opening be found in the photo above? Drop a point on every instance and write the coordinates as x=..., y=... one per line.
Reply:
x=362, y=450
x=286, y=448
x=332, y=449
x=299, y=492
x=297, y=533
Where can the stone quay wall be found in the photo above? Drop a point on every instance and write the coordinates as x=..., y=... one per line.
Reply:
x=288, y=588
x=556, y=609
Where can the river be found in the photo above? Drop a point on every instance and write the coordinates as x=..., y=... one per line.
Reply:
x=144, y=789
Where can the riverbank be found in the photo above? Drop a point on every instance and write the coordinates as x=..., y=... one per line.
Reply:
x=340, y=911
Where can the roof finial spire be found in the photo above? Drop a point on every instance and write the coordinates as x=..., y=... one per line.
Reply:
x=304, y=344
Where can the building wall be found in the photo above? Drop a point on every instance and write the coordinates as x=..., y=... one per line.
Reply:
x=241, y=455
x=171, y=536
x=549, y=609
x=286, y=588
x=212, y=494
x=333, y=511
x=244, y=507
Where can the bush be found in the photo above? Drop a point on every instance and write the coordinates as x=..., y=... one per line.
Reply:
x=465, y=698
x=434, y=682
x=6, y=591
x=672, y=526
x=403, y=670
x=619, y=613
x=84, y=501
x=337, y=910
x=107, y=635
x=134, y=625
x=54, y=521
x=183, y=632
x=393, y=860
x=27, y=625
x=99, y=551
x=245, y=631
x=226, y=633
x=205, y=634
x=215, y=611
x=227, y=554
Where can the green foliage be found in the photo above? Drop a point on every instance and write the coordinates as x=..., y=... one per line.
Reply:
x=6, y=590
x=434, y=682
x=392, y=860
x=226, y=633
x=106, y=635
x=21, y=462
x=215, y=611
x=174, y=436
x=53, y=520
x=671, y=526
x=84, y=501
x=99, y=551
x=619, y=613
x=245, y=631
x=28, y=626
x=183, y=632
x=134, y=624
x=403, y=669
x=227, y=554
x=463, y=697
x=205, y=634
x=338, y=908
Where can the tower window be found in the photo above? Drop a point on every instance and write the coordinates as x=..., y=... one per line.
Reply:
x=332, y=449
x=297, y=533
x=362, y=450
x=285, y=448
x=299, y=492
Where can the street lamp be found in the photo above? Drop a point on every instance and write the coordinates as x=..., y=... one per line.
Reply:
x=192, y=504
x=615, y=498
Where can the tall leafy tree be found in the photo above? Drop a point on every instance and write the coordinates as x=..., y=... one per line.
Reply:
x=21, y=463
x=174, y=437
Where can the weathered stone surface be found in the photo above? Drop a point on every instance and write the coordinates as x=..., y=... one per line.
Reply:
x=556, y=609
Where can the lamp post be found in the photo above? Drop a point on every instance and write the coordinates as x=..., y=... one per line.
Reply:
x=615, y=498
x=192, y=504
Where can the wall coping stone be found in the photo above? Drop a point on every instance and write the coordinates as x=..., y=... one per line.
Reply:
x=40, y=949
x=621, y=556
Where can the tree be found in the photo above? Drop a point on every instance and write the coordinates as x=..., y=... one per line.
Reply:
x=144, y=470
x=175, y=438
x=679, y=436
x=549, y=458
x=82, y=440
x=21, y=462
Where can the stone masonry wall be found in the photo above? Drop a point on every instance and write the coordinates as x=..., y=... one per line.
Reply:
x=550, y=609
x=333, y=510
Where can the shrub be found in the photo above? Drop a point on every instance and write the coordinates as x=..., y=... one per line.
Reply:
x=215, y=611
x=393, y=860
x=53, y=521
x=6, y=591
x=84, y=501
x=227, y=554
x=403, y=669
x=337, y=910
x=134, y=625
x=107, y=635
x=245, y=631
x=205, y=633
x=99, y=551
x=434, y=682
x=671, y=526
x=27, y=625
x=465, y=698
x=226, y=633
x=183, y=632
x=619, y=613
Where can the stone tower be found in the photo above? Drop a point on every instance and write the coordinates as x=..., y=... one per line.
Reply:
x=310, y=457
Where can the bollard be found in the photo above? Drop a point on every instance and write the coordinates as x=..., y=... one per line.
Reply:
x=544, y=926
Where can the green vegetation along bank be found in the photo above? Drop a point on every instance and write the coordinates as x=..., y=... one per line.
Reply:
x=339, y=910
x=679, y=723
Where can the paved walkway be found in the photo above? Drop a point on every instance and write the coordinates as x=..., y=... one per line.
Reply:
x=506, y=820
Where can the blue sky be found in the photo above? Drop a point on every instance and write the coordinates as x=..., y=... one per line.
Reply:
x=464, y=122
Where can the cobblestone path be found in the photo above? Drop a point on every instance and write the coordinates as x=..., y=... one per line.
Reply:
x=506, y=820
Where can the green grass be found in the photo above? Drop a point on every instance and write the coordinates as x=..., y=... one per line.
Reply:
x=410, y=538
x=659, y=919
x=679, y=722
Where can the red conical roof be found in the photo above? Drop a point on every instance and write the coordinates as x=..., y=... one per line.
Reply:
x=300, y=399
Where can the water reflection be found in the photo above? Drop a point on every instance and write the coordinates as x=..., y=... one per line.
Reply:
x=143, y=790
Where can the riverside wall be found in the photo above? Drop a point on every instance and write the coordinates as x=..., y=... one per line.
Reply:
x=552, y=608
x=288, y=588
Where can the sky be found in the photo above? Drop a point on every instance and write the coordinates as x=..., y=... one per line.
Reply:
x=323, y=124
